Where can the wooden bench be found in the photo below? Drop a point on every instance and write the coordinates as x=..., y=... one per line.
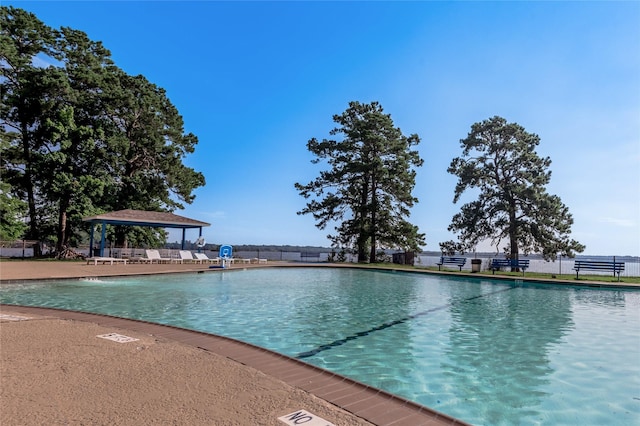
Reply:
x=598, y=265
x=497, y=264
x=447, y=260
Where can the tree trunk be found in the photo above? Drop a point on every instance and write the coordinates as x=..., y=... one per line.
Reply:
x=28, y=185
x=363, y=236
x=372, y=252
x=63, y=236
x=373, y=225
x=513, y=236
x=120, y=236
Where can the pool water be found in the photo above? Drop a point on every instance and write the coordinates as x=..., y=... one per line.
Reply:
x=487, y=352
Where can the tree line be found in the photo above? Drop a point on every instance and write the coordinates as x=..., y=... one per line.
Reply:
x=80, y=137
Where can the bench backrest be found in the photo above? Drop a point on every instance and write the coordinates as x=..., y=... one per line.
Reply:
x=515, y=263
x=456, y=260
x=599, y=265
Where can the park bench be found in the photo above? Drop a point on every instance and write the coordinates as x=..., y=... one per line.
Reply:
x=448, y=260
x=598, y=265
x=497, y=264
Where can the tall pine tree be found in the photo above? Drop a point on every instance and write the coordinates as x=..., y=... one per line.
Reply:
x=368, y=189
x=499, y=160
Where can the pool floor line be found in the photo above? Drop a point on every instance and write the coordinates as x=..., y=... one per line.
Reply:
x=369, y=403
x=355, y=336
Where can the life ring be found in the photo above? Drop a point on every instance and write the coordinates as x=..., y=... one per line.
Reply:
x=200, y=242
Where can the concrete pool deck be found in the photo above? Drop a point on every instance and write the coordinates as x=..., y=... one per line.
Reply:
x=55, y=369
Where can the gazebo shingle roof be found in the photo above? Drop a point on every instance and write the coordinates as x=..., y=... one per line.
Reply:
x=146, y=218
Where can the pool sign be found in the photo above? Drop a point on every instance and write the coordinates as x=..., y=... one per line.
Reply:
x=226, y=251
x=305, y=418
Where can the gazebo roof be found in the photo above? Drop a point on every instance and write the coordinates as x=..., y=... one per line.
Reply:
x=146, y=218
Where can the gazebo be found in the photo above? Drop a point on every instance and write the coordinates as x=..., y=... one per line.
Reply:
x=142, y=218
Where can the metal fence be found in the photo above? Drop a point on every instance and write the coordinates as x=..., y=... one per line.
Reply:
x=562, y=265
x=559, y=266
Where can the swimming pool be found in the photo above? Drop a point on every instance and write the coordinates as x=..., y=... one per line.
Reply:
x=487, y=352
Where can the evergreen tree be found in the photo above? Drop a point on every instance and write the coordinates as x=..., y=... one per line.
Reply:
x=499, y=160
x=24, y=95
x=12, y=209
x=368, y=188
x=83, y=136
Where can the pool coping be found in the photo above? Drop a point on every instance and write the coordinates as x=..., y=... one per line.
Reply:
x=367, y=402
x=90, y=272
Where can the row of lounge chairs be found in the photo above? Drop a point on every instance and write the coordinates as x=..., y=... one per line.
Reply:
x=185, y=256
x=153, y=256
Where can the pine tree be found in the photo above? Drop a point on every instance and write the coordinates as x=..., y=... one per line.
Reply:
x=499, y=160
x=367, y=191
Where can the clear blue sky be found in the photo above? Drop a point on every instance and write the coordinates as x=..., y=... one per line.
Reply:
x=256, y=80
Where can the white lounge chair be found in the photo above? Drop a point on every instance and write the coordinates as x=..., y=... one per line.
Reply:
x=154, y=256
x=105, y=260
x=186, y=256
x=204, y=258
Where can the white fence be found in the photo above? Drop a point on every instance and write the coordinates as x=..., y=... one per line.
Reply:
x=560, y=266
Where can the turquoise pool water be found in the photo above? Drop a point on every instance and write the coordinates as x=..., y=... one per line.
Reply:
x=487, y=352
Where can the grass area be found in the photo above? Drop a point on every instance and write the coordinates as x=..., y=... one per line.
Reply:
x=539, y=275
x=571, y=277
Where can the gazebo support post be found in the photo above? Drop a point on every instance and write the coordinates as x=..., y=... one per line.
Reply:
x=91, y=240
x=103, y=237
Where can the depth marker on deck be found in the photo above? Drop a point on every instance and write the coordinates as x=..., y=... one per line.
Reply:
x=117, y=337
x=13, y=317
x=302, y=417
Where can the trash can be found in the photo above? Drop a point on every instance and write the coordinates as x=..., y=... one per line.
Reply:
x=476, y=265
x=406, y=258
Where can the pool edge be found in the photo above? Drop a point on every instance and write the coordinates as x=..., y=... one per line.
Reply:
x=369, y=403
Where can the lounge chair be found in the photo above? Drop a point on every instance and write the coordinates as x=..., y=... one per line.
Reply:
x=204, y=258
x=154, y=256
x=105, y=260
x=186, y=256
x=259, y=260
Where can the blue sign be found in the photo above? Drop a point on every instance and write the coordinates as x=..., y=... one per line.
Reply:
x=226, y=252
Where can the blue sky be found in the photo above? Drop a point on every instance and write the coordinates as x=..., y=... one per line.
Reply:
x=256, y=80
